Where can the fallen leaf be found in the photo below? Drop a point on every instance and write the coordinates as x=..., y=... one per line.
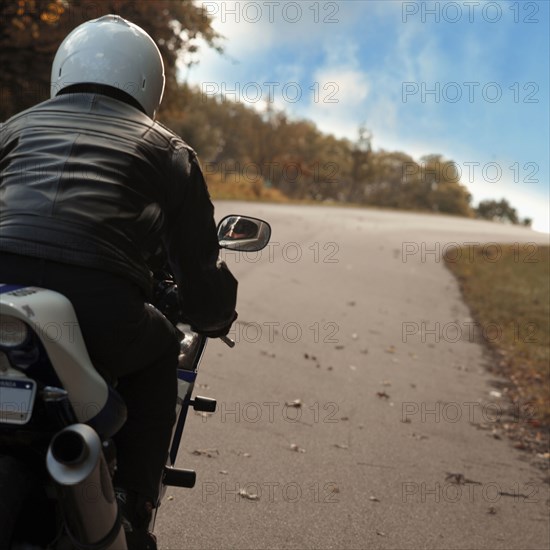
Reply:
x=374, y=499
x=382, y=394
x=248, y=496
x=456, y=478
x=391, y=349
x=341, y=446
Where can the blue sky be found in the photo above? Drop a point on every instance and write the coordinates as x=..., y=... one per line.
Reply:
x=467, y=79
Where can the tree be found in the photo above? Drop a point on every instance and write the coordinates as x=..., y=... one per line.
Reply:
x=31, y=31
x=494, y=210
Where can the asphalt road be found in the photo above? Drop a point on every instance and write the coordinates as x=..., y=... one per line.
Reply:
x=353, y=313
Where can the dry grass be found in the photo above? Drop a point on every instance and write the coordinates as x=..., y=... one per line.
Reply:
x=508, y=292
x=235, y=187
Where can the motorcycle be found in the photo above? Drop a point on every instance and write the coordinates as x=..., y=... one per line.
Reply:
x=58, y=416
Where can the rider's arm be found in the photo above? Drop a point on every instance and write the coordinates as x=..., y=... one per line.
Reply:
x=207, y=289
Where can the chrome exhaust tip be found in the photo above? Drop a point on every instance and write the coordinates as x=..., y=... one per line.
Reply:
x=76, y=463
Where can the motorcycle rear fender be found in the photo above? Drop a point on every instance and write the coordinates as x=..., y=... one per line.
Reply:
x=52, y=317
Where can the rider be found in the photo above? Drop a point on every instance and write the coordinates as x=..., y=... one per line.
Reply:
x=93, y=192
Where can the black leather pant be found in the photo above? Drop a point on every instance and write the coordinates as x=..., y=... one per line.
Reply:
x=130, y=343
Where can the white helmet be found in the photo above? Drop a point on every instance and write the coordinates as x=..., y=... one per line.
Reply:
x=113, y=51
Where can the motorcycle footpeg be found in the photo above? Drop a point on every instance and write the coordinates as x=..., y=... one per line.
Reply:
x=177, y=477
x=204, y=404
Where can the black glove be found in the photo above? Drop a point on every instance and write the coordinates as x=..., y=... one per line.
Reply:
x=166, y=300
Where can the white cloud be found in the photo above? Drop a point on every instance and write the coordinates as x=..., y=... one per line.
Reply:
x=361, y=61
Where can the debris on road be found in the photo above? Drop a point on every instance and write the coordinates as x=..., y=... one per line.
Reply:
x=460, y=479
x=210, y=453
x=296, y=448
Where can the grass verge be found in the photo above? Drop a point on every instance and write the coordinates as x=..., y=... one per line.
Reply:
x=507, y=289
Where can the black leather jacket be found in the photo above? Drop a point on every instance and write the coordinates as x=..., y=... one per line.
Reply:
x=90, y=180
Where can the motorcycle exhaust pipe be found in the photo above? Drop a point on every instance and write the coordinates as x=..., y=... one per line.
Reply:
x=76, y=463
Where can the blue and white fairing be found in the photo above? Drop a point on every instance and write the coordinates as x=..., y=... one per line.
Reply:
x=56, y=342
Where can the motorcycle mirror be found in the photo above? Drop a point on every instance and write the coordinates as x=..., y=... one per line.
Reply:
x=243, y=233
